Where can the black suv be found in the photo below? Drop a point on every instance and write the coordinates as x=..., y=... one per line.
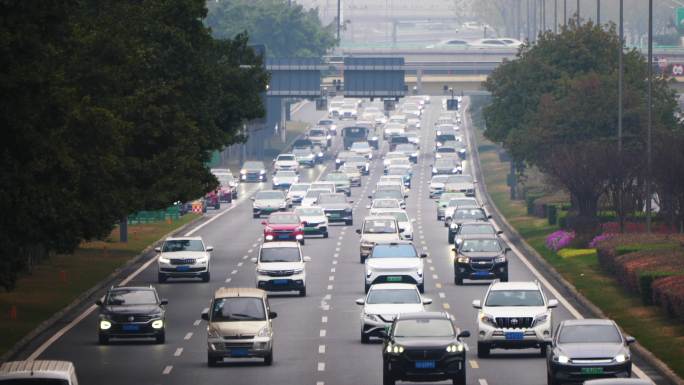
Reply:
x=132, y=312
x=480, y=257
x=423, y=347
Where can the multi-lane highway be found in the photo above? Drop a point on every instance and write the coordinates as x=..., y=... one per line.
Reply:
x=317, y=336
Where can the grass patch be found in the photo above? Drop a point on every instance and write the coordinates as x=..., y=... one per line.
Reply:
x=56, y=282
x=658, y=333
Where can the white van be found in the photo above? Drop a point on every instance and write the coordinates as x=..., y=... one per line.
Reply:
x=46, y=372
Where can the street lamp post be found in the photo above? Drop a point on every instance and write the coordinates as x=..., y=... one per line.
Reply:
x=649, y=168
x=621, y=72
x=555, y=16
x=565, y=13
x=578, y=11
x=598, y=12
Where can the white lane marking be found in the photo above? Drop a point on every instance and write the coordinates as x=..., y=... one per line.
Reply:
x=321, y=366
x=322, y=333
x=435, y=276
x=474, y=364
x=432, y=268
x=334, y=262
x=337, y=249
x=245, y=256
x=233, y=272
x=255, y=244
x=321, y=349
x=336, y=255
x=197, y=322
x=466, y=346
x=446, y=306
x=330, y=287
x=482, y=381
x=167, y=369
x=425, y=248
x=327, y=297
x=188, y=336
x=331, y=278
x=228, y=279
x=250, y=251
x=178, y=352
x=320, y=383
x=442, y=295
x=239, y=264
x=332, y=269
x=324, y=319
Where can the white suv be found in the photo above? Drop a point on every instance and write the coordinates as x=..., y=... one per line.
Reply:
x=395, y=262
x=285, y=162
x=281, y=267
x=514, y=315
x=183, y=257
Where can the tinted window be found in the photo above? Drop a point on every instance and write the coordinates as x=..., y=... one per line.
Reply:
x=283, y=219
x=299, y=187
x=360, y=146
x=474, y=214
x=395, y=194
x=446, y=149
x=386, y=204
x=253, y=166
x=172, y=246
x=280, y=254
x=301, y=151
x=393, y=296
x=286, y=157
x=238, y=309
x=394, y=251
x=423, y=328
x=122, y=297
x=317, y=133
x=589, y=334
x=286, y=174
x=445, y=137
x=515, y=298
x=269, y=195
x=379, y=226
x=480, y=245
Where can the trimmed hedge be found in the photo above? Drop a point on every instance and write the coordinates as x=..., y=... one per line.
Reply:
x=668, y=293
x=646, y=279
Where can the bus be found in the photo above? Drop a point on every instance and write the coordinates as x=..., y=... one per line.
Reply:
x=353, y=134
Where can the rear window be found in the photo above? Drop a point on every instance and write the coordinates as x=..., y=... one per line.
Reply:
x=379, y=226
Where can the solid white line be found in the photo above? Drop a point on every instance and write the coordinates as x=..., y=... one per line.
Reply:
x=62, y=332
x=322, y=333
x=233, y=272
x=167, y=369
x=188, y=336
x=228, y=279
x=178, y=352
x=321, y=349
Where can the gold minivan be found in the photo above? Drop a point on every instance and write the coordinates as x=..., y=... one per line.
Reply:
x=239, y=325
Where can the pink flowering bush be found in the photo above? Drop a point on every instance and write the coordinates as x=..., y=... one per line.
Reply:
x=559, y=239
x=598, y=239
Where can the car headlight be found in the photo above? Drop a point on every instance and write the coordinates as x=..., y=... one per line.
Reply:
x=454, y=348
x=455, y=169
x=297, y=271
x=439, y=144
x=201, y=261
x=462, y=151
x=213, y=333
x=540, y=319
x=320, y=154
x=264, y=332
x=395, y=349
x=463, y=260
x=500, y=259
x=157, y=324
x=243, y=172
x=621, y=358
x=563, y=359
x=374, y=138
x=105, y=325
x=338, y=160
x=415, y=155
x=434, y=170
x=269, y=237
x=453, y=225
x=487, y=319
x=438, y=156
x=262, y=172
x=372, y=317
x=164, y=260
x=329, y=137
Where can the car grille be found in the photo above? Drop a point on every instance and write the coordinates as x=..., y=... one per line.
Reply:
x=283, y=232
x=186, y=261
x=514, y=322
x=240, y=337
x=279, y=273
x=425, y=354
x=481, y=264
x=311, y=224
x=127, y=318
x=233, y=345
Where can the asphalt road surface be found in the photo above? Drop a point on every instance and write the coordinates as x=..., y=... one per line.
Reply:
x=316, y=337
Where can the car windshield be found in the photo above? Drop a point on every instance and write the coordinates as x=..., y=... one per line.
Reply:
x=253, y=166
x=268, y=195
x=515, y=298
x=396, y=171
x=238, y=309
x=446, y=149
x=385, y=204
x=337, y=177
x=440, y=179
x=124, y=297
x=394, y=251
x=314, y=193
x=400, y=162
x=309, y=211
x=460, y=179
x=445, y=163
x=360, y=146
x=400, y=216
x=393, y=296
x=280, y=254
x=445, y=137
x=461, y=202
x=325, y=122
x=332, y=198
x=480, y=245
x=301, y=152
x=589, y=334
x=286, y=157
x=405, y=147
x=225, y=180
x=299, y=187
x=395, y=194
x=477, y=229
x=423, y=327
x=175, y=245
x=379, y=226
x=282, y=219
x=287, y=174
x=316, y=133
x=474, y=214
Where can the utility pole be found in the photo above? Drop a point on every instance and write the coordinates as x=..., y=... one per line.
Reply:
x=565, y=13
x=621, y=72
x=534, y=20
x=598, y=12
x=527, y=23
x=578, y=11
x=543, y=12
x=339, y=22
x=555, y=16
x=649, y=170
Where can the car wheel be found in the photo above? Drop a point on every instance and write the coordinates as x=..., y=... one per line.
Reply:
x=161, y=278
x=362, y=259
x=421, y=288
x=504, y=278
x=387, y=378
x=458, y=280
x=268, y=360
x=483, y=350
x=302, y=292
x=460, y=378
x=301, y=242
x=212, y=361
x=364, y=337
x=206, y=277
x=103, y=339
x=325, y=235
x=255, y=215
x=161, y=338
x=366, y=287
x=217, y=206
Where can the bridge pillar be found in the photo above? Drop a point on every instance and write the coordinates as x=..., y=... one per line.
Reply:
x=419, y=80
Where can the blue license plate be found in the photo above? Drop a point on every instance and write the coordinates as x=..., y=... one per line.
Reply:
x=425, y=364
x=130, y=328
x=239, y=352
x=283, y=236
x=280, y=281
x=481, y=273
x=182, y=268
x=514, y=336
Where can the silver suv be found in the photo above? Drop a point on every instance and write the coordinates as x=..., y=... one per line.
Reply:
x=514, y=315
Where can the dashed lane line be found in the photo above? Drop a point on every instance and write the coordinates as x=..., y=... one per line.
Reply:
x=188, y=336
x=178, y=352
x=322, y=333
x=167, y=369
x=197, y=322
x=482, y=381
x=321, y=349
x=321, y=366
x=474, y=364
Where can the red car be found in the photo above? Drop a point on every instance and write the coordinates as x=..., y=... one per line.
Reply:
x=283, y=226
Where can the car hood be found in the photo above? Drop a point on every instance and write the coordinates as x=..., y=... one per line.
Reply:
x=283, y=226
x=335, y=206
x=393, y=309
x=394, y=263
x=592, y=350
x=132, y=309
x=424, y=342
x=379, y=237
x=269, y=202
x=514, y=311
x=314, y=218
x=298, y=194
x=238, y=328
x=184, y=255
x=435, y=185
x=277, y=266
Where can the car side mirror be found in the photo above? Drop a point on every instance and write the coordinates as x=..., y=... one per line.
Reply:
x=205, y=316
x=401, y=231
x=252, y=198
x=427, y=301
x=272, y=315
x=630, y=340
x=552, y=303
x=360, y=301
x=164, y=302
x=424, y=255
x=99, y=303
x=477, y=304
x=358, y=231
x=254, y=260
x=264, y=223
x=499, y=232
x=157, y=249
x=307, y=259
x=305, y=223
x=507, y=250
x=463, y=334
x=489, y=216
x=370, y=197
x=210, y=248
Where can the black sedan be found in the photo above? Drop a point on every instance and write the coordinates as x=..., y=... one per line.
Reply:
x=481, y=257
x=586, y=349
x=132, y=312
x=423, y=347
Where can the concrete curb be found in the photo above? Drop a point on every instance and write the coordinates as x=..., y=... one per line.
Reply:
x=79, y=301
x=542, y=263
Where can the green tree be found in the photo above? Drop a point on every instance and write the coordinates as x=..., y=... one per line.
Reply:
x=286, y=31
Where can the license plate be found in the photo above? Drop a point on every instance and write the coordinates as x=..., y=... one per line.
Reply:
x=425, y=364
x=182, y=268
x=481, y=273
x=393, y=279
x=514, y=336
x=239, y=352
x=592, y=370
x=334, y=215
x=280, y=281
x=131, y=328
x=283, y=236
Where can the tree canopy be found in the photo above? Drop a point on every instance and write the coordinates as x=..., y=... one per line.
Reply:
x=286, y=30
x=109, y=108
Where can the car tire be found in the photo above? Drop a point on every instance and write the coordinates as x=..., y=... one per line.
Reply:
x=366, y=287
x=206, y=277
x=161, y=278
x=458, y=280
x=325, y=235
x=212, y=361
x=103, y=339
x=483, y=350
x=302, y=241
x=268, y=359
x=362, y=259
x=161, y=338
x=364, y=337
x=302, y=292
x=255, y=215
x=387, y=378
x=504, y=278
x=421, y=288
x=460, y=378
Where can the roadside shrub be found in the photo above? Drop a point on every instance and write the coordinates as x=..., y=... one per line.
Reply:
x=668, y=293
x=559, y=239
x=629, y=267
x=598, y=239
x=552, y=214
x=646, y=280
x=529, y=200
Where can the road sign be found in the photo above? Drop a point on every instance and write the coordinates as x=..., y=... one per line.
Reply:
x=379, y=77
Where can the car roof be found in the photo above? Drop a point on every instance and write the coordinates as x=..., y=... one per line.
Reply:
x=60, y=369
x=520, y=285
x=227, y=292
x=587, y=322
x=424, y=315
x=150, y=288
x=279, y=245
x=393, y=286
